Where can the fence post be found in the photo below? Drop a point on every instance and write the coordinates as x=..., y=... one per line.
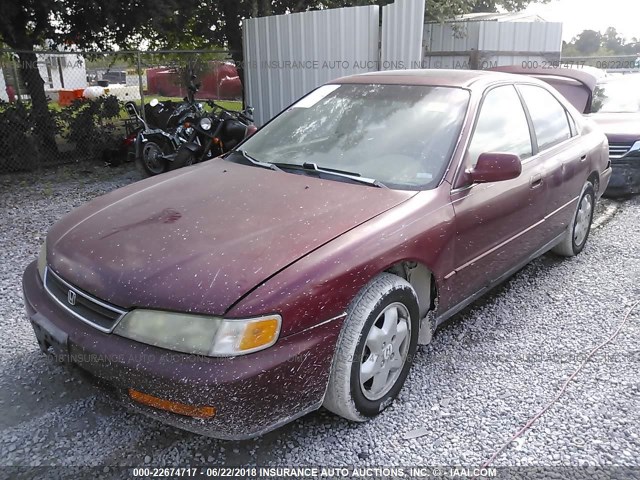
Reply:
x=474, y=60
x=16, y=77
x=140, y=86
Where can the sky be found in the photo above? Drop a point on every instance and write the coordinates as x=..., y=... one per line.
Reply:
x=579, y=15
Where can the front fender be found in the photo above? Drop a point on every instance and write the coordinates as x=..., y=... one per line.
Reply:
x=322, y=284
x=191, y=146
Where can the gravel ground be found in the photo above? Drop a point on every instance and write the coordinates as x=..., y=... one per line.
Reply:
x=483, y=376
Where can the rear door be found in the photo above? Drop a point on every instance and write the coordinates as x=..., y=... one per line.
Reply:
x=497, y=224
x=560, y=153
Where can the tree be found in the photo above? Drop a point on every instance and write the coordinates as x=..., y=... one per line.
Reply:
x=591, y=43
x=588, y=42
x=30, y=24
x=611, y=40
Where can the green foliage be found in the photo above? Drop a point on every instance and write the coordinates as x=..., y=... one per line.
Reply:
x=89, y=124
x=588, y=42
x=17, y=149
x=592, y=43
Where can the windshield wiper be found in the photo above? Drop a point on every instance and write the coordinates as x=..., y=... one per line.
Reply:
x=258, y=163
x=312, y=167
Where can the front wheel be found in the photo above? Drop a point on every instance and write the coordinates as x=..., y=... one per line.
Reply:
x=376, y=348
x=577, y=233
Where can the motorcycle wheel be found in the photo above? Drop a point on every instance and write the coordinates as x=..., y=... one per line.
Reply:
x=183, y=158
x=150, y=162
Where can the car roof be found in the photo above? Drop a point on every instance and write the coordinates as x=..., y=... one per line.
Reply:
x=433, y=77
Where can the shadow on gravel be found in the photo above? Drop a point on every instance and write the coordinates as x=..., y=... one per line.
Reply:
x=536, y=268
x=37, y=385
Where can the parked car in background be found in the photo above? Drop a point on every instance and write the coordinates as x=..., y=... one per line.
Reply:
x=616, y=108
x=304, y=267
x=613, y=102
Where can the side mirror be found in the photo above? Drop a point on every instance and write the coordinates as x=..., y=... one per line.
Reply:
x=496, y=167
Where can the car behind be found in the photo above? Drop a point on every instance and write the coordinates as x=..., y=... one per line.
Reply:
x=616, y=109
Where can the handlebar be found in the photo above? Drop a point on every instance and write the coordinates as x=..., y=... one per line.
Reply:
x=246, y=114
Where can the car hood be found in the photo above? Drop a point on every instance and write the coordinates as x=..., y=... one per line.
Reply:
x=619, y=127
x=201, y=238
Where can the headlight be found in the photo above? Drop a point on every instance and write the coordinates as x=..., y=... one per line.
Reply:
x=42, y=259
x=199, y=334
x=205, y=123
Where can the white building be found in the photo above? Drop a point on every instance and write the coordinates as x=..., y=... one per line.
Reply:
x=58, y=71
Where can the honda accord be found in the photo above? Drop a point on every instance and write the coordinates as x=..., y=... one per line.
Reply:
x=303, y=268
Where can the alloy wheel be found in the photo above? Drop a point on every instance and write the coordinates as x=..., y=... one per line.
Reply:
x=385, y=351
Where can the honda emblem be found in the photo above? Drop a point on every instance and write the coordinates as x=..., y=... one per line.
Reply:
x=71, y=297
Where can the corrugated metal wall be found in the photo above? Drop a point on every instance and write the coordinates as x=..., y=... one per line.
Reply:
x=533, y=37
x=449, y=45
x=450, y=37
x=286, y=56
x=402, y=31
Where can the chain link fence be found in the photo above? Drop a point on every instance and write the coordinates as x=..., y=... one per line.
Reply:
x=58, y=108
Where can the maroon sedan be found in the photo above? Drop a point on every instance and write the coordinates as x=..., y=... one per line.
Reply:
x=303, y=269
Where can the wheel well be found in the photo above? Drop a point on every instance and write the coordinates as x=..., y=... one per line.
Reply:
x=422, y=281
x=595, y=181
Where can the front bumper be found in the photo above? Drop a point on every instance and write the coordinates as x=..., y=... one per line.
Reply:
x=625, y=177
x=252, y=394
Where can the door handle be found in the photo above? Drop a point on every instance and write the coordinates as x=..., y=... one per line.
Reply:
x=535, y=181
x=583, y=157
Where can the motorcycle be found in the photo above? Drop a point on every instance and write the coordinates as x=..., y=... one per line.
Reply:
x=215, y=134
x=165, y=127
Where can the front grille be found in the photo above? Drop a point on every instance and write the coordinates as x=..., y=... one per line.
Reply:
x=619, y=150
x=87, y=308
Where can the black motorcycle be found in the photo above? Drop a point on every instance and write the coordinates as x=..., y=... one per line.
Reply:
x=165, y=127
x=214, y=134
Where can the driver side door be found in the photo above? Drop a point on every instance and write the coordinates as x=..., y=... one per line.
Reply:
x=498, y=224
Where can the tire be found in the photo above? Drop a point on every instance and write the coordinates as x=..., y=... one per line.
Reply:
x=149, y=164
x=349, y=393
x=577, y=233
x=183, y=158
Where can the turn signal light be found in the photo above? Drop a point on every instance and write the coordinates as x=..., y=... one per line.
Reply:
x=259, y=333
x=204, y=412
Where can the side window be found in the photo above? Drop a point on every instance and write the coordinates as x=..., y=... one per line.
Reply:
x=501, y=127
x=548, y=115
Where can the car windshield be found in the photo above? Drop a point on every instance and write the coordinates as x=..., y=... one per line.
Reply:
x=400, y=135
x=618, y=95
